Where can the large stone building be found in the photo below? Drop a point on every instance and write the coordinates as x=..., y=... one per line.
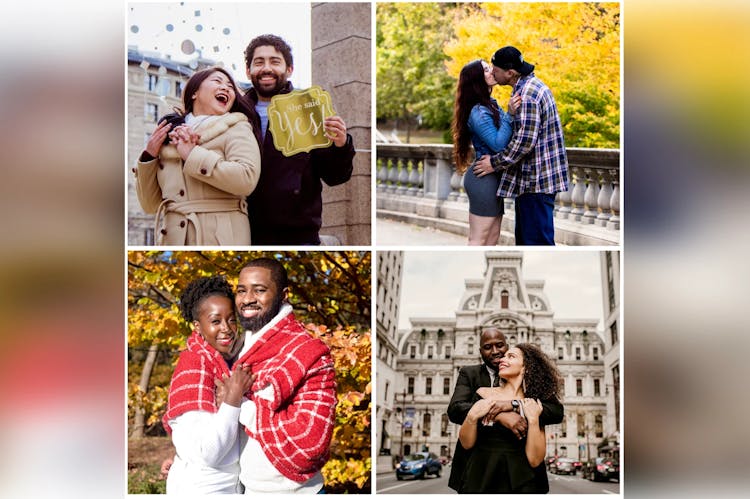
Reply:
x=432, y=350
x=610, y=268
x=389, y=269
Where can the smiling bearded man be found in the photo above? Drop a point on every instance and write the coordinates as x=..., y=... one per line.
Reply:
x=290, y=411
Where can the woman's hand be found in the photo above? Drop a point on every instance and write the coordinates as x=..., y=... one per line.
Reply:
x=156, y=140
x=231, y=389
x=335, y=130
x=532, y=408
x=184, y=139
x=513, y=104
x=478, y=410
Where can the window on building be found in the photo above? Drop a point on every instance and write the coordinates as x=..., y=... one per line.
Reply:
x=178, y=87
x=504, y=299
x=410, y=385
x=578, y=353
x=151, y=82
x=597, y=388
x=426, y=423
x=407, y=433
x=563, y=429
x=430, y=352
x=152, y=112
x=444, y=425
x=579, y=387
x=598, y=426
x=613, y=332
x=448, y=352
x=616, y=393
x=580, y=425
x=385, y=391
x=560, y=355
x=596, y=353
x=413, y=352
x=470, y=347
x=428, y=386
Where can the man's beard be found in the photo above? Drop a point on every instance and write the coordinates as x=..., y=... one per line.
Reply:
x=256, y=323
x=278, y=87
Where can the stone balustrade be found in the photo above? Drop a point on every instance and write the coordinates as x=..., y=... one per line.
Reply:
x=418, y=184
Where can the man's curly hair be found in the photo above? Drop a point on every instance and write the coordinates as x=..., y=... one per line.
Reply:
x=200, y=289
x=543, y=380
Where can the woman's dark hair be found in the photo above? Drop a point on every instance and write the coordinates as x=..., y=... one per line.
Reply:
x=541, y=376
x=471, y=89
x=200, y=289
x=271, y=40
x=240, y=105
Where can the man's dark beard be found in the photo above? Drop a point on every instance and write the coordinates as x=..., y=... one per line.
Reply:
x=280, y=85
x=254, y=324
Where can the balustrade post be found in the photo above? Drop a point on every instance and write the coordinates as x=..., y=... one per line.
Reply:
x=414, y=179
x=614, y=221
x=403, y=177
x=578, y=194
x=591, y=196
x=605, y=198
x=382, y=174
x=393, y=174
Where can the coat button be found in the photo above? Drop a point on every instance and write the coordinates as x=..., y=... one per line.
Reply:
x=204, y=171
x=182, y=192
x=164, y=231
x=182, y=224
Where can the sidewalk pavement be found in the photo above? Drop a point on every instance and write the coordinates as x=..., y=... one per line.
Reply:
x=391, y=233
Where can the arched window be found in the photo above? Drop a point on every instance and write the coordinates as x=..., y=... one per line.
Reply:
x=504, y=299
x=426, y=423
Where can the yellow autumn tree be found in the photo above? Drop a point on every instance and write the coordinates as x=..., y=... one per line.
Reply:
x=575, y=48
x=330, y=293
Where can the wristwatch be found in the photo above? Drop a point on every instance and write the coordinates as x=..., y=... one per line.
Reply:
x=516, y=405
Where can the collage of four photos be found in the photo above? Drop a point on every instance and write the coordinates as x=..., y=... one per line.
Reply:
x=373, y=248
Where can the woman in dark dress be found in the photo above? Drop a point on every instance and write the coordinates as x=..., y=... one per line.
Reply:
x=499, y=462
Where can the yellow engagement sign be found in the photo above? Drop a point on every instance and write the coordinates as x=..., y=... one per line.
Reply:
x=296, y=120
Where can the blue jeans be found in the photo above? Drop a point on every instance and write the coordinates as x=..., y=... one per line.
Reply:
x=535, y=219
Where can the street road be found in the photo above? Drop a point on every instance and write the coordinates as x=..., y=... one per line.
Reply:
x=558, y=484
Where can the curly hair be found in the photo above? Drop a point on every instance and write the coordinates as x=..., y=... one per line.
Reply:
x=543, y=380
x=200, y=289
x=271, y=40
x=471, y=89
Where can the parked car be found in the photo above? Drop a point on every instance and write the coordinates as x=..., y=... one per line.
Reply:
x=418, y=465
x=577, y=464
x=563, y=466
x=601, y=468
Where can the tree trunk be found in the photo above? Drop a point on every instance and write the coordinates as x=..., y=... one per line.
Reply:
x=139, y=422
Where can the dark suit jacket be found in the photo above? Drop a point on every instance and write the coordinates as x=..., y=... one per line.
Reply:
x=470, y=379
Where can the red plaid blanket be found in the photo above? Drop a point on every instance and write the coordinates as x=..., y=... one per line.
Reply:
x=192, y=387
x=295, y=428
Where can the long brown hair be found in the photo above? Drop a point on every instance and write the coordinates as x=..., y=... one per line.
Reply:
x=542, y=378
x=471, y=89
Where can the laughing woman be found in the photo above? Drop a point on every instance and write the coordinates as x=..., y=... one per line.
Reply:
x=196, y=176
x=479, y=121
x=205, y=428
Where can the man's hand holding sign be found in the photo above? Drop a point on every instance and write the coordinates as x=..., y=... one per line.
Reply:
x=303, y=120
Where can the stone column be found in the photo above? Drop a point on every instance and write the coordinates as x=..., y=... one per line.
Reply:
x=341, y=64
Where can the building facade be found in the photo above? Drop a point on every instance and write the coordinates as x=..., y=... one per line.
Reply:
x=389, y=269
x=610, y=274
x=432, y=350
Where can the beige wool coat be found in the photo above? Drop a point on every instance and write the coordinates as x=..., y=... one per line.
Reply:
x=202, y=202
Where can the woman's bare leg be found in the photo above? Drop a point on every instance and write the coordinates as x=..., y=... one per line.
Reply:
x=494, y=233
x=479, y=229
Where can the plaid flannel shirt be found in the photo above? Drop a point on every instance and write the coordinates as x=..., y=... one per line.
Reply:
x=535, y=159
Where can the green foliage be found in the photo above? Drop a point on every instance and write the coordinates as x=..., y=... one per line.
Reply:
x=146, y=480
x=411, y=76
